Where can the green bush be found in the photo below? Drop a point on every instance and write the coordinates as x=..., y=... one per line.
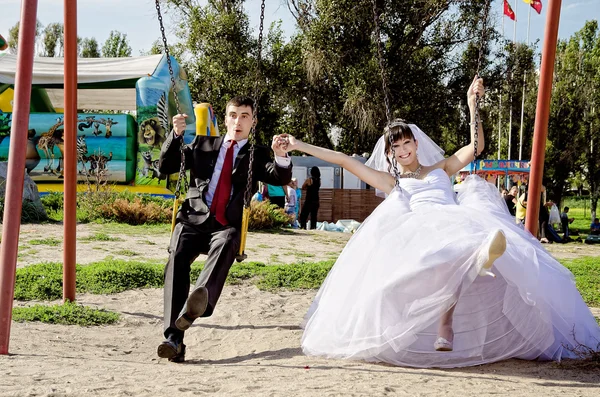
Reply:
x=264, y=215
x=53, y=201
x=42, y=281
x=30, y=211
x=114, y=276
x=67, y=314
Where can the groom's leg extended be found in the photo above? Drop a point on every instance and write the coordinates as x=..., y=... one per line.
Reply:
x=187, y=242
x=224, y=245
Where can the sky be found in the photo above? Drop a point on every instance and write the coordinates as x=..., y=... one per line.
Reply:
x=137, y=18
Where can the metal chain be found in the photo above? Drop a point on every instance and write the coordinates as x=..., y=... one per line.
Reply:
x=477, y=98
x=182, y=178
x=386, y=96
x=252, y=135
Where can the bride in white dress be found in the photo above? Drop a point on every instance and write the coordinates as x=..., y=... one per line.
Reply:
x=407, y=289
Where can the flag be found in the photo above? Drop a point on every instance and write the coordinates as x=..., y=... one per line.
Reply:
x=508, y=11
x=535, y=4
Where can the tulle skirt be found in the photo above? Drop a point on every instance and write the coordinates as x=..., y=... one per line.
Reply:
x=403, y=269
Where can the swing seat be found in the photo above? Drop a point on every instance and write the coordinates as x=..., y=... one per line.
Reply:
x=244, y=233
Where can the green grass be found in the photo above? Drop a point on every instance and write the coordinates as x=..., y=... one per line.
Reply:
x=126, y=253
x=136, y=230
x=43, y=281
x=587, y=277
x=46, y=241
x=66, y=314
x=100, y=237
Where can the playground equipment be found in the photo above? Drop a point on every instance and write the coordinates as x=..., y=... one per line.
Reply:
x=516, y=171
x=126, y=150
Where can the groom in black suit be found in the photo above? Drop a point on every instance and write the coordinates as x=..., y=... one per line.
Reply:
x=210, y=218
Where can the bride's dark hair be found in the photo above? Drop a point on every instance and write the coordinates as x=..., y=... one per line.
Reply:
x=397, y=129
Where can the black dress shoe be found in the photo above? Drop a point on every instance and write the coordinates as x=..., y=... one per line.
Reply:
x=173, y=350
x=195, y=306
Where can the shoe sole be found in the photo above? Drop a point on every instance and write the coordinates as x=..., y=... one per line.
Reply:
x=166, y=351
x=496, y=248
x=196, y=306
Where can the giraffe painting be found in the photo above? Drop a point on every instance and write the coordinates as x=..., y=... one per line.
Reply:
x=47, y=142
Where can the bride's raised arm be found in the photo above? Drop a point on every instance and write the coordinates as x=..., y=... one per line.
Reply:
x=464, y=155
x=380, y=180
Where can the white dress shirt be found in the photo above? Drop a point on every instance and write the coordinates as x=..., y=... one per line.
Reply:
x=214, y=180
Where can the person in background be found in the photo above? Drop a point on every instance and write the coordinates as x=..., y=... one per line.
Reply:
x=276, y=195
x=311, y=203
x=511, y=200
x=521, y=207
x=565, y=221
x=595, y=227
x=290, y=203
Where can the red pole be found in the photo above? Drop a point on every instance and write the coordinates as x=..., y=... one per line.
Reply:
x=540, y=131
x=13, y=202
x=70, y=160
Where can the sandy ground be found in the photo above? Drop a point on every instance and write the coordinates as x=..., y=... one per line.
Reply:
x=249, y=347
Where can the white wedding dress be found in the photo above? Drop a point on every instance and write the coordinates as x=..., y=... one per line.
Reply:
x=417, y=255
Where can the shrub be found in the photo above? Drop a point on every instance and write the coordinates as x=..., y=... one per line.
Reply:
x=53, y=201
x=67, y=314
x=136, y=212
x=264, y=215
x=42, y=281
x=31, y=212
x=89, y=203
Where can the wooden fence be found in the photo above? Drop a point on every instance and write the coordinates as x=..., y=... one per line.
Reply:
x=336, y=204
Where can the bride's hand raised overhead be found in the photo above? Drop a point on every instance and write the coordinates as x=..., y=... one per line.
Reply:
x=476, y=88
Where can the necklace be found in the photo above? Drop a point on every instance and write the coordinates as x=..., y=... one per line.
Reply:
x=412, y=174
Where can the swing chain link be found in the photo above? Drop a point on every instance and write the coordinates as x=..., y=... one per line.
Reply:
x=252, y=135
x=182, y=174
x=386, y=97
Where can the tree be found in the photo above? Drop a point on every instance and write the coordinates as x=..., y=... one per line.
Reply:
x=53, y=40
x=89, y=48
x=116, y=45
x=419, y=39
x=13, y=36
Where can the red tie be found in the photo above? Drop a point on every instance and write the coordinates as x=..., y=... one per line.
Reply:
x=223, y=190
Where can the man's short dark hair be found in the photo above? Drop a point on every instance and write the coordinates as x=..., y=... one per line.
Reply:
x=566, y=209
x=596, y=220
x=241, y=101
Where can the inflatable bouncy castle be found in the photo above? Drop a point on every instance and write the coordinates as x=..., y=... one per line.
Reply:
x=125, y=107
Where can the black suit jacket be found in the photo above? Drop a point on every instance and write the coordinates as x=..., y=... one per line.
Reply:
x=201, y=157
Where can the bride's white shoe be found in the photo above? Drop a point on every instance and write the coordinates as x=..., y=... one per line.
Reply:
x=495, y=249
x=442, y=345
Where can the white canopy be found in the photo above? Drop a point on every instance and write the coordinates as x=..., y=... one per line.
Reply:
x=50, y=71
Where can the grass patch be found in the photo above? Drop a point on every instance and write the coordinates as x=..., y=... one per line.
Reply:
x=587, y=277
x=136, y=230
x=43, y=281
x=66, y=314
x=46, y=241
x=147, y=242
x=263, y=246
x=101, y=237
x=126, y=253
